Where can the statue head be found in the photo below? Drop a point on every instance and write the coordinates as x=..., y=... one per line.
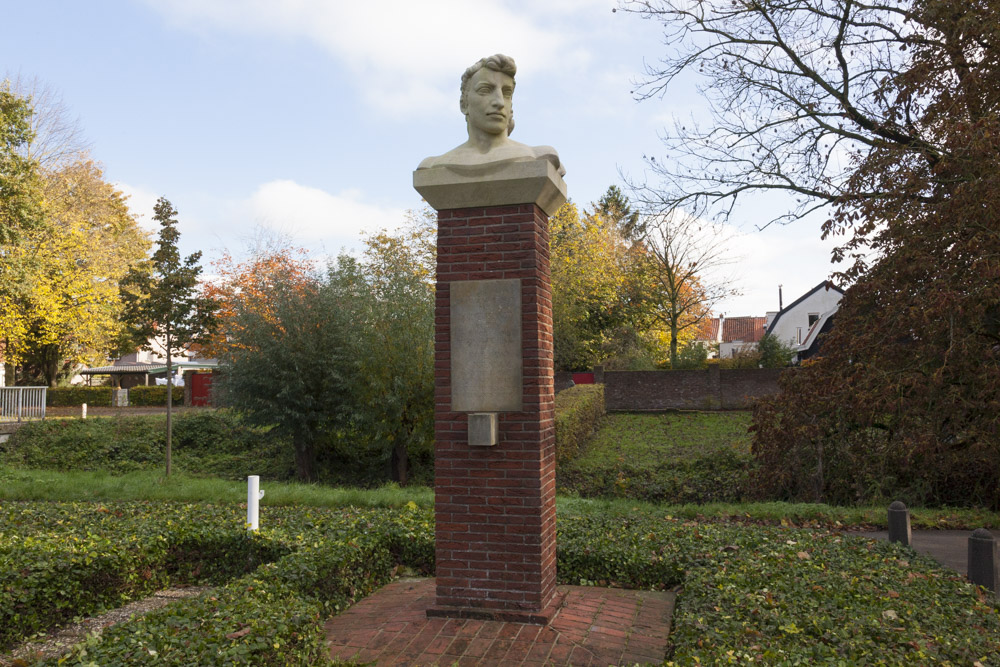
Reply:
x=499, y=63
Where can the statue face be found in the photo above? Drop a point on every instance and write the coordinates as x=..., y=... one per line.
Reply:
x=487, y=101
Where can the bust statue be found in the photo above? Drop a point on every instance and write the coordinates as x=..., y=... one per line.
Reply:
x=487, y=93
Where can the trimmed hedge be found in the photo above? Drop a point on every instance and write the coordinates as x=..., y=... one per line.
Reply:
x=579, y=410
x=154, y=396
x=70, y=397
x=762, y=594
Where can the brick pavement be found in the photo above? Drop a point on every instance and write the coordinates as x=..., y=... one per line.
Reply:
x=594, y=626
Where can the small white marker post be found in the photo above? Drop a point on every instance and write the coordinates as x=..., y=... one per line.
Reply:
x=254, y=494
x=84, y=411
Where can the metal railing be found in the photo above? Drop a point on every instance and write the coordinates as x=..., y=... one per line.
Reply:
x=22, y=403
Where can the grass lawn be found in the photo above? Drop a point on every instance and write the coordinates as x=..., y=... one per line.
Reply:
x=682, y=457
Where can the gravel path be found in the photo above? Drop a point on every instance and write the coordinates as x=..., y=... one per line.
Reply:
x=61, y=641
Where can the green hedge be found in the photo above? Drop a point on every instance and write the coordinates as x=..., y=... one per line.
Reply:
x=154, y=396
x=211, y=442
x=578, y=412
x=761, y=594
x=70, y=397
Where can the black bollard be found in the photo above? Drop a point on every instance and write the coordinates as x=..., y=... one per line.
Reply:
x=899, y=523
x=984, y=567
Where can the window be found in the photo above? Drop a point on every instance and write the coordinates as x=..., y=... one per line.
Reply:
x=798, y=335
x=812, y=318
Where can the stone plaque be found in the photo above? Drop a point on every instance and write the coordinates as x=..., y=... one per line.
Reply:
x=486, y=346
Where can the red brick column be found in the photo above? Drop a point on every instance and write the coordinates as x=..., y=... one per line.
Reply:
x=495, y=506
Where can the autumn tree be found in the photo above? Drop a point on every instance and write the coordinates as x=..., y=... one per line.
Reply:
x=164, y=308
x=888, y=115
x=689, y=259
x=347, y=353
x=62, y=306
x=601, y=292
x=248, y=284
x=797, y=94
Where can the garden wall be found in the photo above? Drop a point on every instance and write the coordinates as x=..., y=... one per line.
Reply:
x=711, y=389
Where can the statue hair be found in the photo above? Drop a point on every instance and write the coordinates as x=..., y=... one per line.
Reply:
x=498, y=63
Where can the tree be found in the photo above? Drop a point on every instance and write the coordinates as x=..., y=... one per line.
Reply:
x=19, y=182
x=890, y=114
x=687, y=255
x=798, y=93
x=164, y=310
x=773, y=352
x=62, y=306
x=601, y=292
x=346, y=353
x=395, y=345
x=615, y=206
x=286, y=366
x=248, y=285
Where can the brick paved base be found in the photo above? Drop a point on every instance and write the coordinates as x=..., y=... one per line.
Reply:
x=595, y=626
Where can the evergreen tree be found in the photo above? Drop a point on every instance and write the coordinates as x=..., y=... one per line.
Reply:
x=164, y=309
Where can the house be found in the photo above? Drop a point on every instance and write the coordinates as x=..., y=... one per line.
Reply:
x=731, y=334
x=793, y=324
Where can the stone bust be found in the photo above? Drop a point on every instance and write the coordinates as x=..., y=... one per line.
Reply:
x=487, y=94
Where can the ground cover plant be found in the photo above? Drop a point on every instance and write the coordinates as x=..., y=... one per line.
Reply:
x=681, y=457
x=216, y=443
x=773, y=594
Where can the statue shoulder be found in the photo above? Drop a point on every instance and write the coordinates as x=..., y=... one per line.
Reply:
x=549, y=153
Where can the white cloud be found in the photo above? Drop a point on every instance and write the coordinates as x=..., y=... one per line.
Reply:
x=791, y=256
x=140, y=202
x=406, y=55
x=315, y=218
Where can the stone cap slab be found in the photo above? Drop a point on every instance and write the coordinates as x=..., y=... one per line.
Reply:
x=492, y=184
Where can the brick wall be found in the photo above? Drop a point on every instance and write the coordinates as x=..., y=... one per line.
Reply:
x=495, y=506
x=711, y=389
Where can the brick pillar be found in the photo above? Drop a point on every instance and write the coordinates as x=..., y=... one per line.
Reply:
x=494, y=503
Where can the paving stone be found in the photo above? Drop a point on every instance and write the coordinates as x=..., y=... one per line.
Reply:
x=598, y=626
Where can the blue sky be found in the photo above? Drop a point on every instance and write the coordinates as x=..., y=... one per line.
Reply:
x=307, y=117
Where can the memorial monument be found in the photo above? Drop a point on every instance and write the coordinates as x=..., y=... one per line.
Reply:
x=494, y=396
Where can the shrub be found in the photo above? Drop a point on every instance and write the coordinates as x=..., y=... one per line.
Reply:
x=68, y=397
x=205, y=443
x=578, y=412
x=154, y=396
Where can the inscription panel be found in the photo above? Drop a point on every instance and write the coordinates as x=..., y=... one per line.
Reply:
x=486, y=345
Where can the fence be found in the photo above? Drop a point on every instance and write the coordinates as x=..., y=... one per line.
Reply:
x=22, y=403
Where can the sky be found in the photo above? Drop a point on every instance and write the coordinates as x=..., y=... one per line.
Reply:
x=306, y=118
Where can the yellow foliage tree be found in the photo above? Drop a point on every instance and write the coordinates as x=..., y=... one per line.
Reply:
x=59, y=302
x=601, y=293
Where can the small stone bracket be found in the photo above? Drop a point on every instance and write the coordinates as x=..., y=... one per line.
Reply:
x=483, y=429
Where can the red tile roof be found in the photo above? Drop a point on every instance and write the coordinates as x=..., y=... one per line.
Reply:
x=709, y=329
x=745, y=329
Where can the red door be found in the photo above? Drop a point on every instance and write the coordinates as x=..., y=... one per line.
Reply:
x=201, y=389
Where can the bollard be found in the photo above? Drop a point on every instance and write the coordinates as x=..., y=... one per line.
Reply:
x=899, y=523
x=254, y=494
x=984, y=567
x=84, y=416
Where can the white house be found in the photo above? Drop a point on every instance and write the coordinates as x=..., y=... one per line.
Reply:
x=792, y=324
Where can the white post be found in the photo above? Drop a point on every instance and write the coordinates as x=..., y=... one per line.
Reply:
x=84, y=411
x=253, y=501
